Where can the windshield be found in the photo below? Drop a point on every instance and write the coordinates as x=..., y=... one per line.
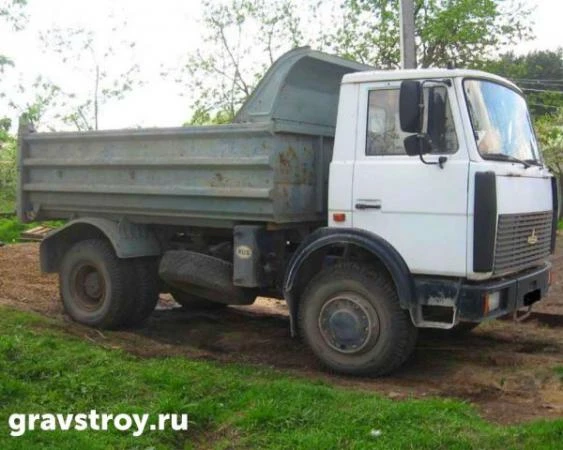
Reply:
x=500, y=120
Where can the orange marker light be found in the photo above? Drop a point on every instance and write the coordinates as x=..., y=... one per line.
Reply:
x=339, y=217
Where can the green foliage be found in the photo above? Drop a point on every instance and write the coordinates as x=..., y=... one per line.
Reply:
x=12, y=14
x=242, y=38
x=46, y=96
x=203, y=116
x=230, y=406
x=10, y=229
x=447, y=31
x=8, y=171
x=539, y=74
x=106, y=68
x=550, y=134
x=12, y=11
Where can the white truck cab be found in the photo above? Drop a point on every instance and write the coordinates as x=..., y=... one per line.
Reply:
x=470, y=200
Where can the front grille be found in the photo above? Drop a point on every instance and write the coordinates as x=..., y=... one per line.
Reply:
x=522, y=239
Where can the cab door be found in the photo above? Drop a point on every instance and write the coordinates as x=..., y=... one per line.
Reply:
x=420, y=209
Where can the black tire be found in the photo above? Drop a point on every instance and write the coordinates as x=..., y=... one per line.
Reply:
x=146, y=290
x=192, y=301
x=93, y=284
x=212, y=277
x=350, y=317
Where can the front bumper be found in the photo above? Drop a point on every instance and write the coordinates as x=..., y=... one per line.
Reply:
x=442, y=302
x=518, y=291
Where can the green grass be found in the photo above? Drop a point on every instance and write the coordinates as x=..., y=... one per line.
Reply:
x=11, y=228
x=42, y=369
x=559, y=372
x=7, y=202
x=560, y=225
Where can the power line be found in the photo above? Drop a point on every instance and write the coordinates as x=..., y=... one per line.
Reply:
x=542, y=90
x=542, y=105
x=541, y=80
x=539, y=83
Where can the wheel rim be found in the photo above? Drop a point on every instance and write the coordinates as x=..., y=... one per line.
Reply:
x=348, y=323
x=88, y=287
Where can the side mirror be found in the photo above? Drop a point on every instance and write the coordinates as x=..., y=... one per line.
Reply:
x=417, y=145
x=410, y=111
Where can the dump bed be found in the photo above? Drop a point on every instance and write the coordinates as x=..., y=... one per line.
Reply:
x=271, y=165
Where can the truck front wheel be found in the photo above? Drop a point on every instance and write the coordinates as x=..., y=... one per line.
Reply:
x=94, y=284
x=351, y=318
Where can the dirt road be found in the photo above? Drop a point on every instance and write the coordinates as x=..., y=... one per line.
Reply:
x=506, y=369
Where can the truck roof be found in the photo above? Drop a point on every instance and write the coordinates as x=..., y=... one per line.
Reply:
x=402, y=74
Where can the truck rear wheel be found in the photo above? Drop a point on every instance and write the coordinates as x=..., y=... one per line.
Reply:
x=145, y=282
x=351, y=318
x=94, y=284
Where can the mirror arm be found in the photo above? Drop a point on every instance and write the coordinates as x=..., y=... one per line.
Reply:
x=441, y=160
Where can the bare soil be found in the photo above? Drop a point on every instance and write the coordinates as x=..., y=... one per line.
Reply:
x=505, y=369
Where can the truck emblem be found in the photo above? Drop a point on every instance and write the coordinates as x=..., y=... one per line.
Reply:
x=244, y=252
x=532, y=238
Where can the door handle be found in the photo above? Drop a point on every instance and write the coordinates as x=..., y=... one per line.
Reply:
x=368, y=205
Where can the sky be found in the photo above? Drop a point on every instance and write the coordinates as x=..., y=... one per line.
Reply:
x=164, y=32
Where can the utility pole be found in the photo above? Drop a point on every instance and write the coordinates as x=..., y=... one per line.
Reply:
x=408, y=47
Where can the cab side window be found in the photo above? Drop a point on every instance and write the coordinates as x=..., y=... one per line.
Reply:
x=384, y=135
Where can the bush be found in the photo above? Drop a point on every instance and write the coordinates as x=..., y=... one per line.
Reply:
x=10, y=229
x=8, y=174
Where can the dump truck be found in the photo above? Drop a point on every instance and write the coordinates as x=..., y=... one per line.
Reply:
x=374, y=202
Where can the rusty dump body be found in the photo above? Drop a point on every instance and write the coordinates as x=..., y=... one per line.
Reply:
x=269, y=166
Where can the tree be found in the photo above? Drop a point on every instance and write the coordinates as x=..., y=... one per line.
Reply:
x=461, y=32
x=105, y=65
x=549, y=129
x=36, y=100
x=12, y=14
x=550, y=134
x=8, y=172
x=242, y=38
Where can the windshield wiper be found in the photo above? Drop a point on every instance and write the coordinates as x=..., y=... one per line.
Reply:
x=534, y=162
x=505, y=157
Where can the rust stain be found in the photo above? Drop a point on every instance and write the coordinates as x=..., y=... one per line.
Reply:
x=284, y=161
x=291, y=152
x=218, y=180
x=286, y=158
